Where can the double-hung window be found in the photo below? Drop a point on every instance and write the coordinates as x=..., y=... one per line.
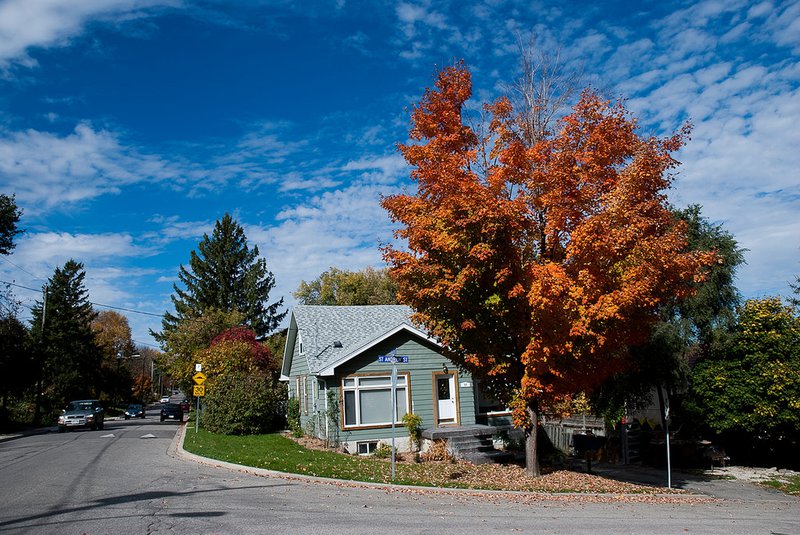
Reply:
x=367, y=400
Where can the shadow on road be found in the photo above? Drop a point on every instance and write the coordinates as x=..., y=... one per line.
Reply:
x=130, y=498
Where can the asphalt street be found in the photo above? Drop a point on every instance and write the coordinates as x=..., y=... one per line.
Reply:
x=133, y=477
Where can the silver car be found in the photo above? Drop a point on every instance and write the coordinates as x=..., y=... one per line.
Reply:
x=82, y=413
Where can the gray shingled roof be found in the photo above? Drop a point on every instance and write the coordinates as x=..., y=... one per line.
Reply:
x=353, y=326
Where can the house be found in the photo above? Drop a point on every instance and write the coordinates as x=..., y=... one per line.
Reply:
x=332, y=366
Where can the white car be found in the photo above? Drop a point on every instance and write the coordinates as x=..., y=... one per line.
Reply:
x=164, y=399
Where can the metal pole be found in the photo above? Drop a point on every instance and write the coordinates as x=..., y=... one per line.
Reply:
x=394, y=407
x=666, y=435
x=197, y=416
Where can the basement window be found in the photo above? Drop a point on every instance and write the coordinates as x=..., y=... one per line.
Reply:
x=366, y=448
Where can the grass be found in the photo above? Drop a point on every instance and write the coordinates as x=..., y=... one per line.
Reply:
x=280, y=453
x=789, y=485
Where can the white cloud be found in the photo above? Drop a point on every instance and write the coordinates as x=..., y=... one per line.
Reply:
x=45, y=250
x=46, y=170
x=46, y=23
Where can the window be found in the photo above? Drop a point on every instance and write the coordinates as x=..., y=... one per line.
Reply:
x=302, y=392
x=368, y=400
x=487, y=404
x=366, y=448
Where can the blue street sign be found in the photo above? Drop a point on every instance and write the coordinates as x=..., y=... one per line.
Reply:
x=392, y=359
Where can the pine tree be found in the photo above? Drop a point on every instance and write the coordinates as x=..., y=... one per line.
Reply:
x=68, y=357
x=225, y=274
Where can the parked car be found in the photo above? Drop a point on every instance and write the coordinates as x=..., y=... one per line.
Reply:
x=171, y=411
x=164, y=399
x=185, y=405
x=82, y=413
x=134, y=410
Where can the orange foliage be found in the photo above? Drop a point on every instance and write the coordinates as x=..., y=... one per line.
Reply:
x=538, y=273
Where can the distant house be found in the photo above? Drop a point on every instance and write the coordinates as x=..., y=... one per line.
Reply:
x=331, y=364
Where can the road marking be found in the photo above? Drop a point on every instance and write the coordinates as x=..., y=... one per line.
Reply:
x=148, y=435
x=110, y=435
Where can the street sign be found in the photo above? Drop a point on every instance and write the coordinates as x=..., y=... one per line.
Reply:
x=198, y=367
x=391, y=359
x=199, y=378
x=199, y=391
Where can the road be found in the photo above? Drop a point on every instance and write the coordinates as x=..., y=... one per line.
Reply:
x=130, y=479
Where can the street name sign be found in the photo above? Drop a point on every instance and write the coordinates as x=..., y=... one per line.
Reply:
x=391, y=359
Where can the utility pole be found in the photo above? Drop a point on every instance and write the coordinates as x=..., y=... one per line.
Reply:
x=37, y=410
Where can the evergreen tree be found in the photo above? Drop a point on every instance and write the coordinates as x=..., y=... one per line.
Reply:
x=225, y=274
x=68, y=362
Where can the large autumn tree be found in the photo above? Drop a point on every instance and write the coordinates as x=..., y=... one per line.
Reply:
x=689, y=328
x=537, y=272
x=113, y=336
x=225, y=274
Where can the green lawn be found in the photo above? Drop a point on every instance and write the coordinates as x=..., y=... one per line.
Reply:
x=281, y=453
x=790, y=485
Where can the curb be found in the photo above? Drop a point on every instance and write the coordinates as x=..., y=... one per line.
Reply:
x=177, y=450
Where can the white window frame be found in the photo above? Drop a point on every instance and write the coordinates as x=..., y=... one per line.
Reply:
x=369, y=445
x=402, y=377
x=304, y=394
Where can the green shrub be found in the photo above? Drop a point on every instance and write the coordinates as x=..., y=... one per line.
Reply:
x=293, y=416
x=413, y=424
x=383, y=451
x=243, y=403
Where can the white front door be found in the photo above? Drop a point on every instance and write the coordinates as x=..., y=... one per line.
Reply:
x=446, y=398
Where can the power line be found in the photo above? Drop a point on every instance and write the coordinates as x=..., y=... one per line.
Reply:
x=128, y=310
x=95, y=304
x=22, y=269
x=21, y=286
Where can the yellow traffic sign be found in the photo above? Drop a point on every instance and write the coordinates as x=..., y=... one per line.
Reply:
x=199, y=378
x=199, y=391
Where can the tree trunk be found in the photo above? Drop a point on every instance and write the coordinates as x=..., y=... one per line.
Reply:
x=531, y=450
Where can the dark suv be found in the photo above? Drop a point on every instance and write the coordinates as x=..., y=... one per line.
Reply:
x=82, y=413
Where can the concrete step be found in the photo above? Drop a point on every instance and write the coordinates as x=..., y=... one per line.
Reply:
x=487, y=457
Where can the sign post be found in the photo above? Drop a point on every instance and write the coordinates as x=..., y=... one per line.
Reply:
x=199, y=391
x=393, y=359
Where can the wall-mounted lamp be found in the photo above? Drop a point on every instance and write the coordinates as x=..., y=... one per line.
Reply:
x=444, y=368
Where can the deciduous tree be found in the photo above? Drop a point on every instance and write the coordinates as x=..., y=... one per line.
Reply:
x=369, y=286
x=183, y=346
x=689, y=328
x=539, y=273
x=753, y=385
x=9, y=217
x=113, y=336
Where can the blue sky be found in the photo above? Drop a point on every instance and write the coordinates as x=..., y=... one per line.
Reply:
x=128, y=127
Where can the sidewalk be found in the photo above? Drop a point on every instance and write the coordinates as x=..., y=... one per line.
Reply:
x=718, y=483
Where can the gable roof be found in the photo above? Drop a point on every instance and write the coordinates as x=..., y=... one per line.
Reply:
x=323, y=329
